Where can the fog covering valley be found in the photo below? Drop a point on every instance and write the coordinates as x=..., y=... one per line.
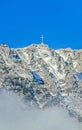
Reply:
x=14, y=115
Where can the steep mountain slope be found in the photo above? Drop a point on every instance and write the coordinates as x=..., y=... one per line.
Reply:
x=43, y=77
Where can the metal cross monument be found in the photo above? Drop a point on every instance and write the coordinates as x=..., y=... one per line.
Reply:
x=42, y=39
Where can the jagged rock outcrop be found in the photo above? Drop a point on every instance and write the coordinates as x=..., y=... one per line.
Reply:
x=43, y=77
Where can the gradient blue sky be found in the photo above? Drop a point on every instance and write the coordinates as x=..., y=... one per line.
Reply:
x=22, y=22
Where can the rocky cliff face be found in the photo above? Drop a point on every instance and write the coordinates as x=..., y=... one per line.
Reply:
x=43, y=77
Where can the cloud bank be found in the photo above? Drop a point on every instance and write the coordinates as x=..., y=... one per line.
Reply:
x=14, y=116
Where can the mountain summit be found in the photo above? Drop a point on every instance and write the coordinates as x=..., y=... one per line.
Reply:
x=43, y=77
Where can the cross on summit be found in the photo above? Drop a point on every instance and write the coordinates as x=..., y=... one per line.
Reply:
x=42, y=39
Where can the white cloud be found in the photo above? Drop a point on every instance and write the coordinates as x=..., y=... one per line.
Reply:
x=14, y=116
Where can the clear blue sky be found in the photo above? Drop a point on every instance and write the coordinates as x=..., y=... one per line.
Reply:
x=22, y=22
